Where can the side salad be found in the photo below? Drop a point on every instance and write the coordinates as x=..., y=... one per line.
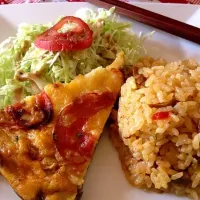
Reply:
x=26, y=67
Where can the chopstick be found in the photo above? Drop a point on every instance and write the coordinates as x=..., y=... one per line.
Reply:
x=155, y=20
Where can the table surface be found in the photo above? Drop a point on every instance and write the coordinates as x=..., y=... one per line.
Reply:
x=127, y=1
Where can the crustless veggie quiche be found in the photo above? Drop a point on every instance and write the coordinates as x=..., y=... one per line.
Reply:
x=47, y=140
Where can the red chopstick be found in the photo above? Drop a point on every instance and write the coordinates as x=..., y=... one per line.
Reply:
x=155, y=20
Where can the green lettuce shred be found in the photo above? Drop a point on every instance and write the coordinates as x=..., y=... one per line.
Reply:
x=26, y=68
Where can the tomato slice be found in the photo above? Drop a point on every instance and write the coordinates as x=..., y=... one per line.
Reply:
x=72, y=141
x=78, y=38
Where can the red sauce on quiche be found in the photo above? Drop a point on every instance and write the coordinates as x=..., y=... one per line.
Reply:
x=36, y=115
x=72, y=140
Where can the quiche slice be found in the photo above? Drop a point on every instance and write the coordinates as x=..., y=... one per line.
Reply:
x=47, y=141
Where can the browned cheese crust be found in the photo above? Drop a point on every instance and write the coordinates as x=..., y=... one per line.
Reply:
x=30, y=160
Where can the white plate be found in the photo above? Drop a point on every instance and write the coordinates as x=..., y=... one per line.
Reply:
x=105, y=179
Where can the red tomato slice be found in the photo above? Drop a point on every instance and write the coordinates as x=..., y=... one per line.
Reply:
x=79, y=38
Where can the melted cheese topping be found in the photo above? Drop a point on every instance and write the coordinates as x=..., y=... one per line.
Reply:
x=29, y=159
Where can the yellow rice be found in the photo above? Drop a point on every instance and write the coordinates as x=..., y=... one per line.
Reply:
x=164, y=153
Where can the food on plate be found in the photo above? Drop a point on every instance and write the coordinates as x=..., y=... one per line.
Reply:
x=42, y=54
x=157, y=127
x=47, y=140
x=57, y=38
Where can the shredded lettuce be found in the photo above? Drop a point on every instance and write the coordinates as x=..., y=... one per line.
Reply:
x=12, y=51
x=27, y=68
